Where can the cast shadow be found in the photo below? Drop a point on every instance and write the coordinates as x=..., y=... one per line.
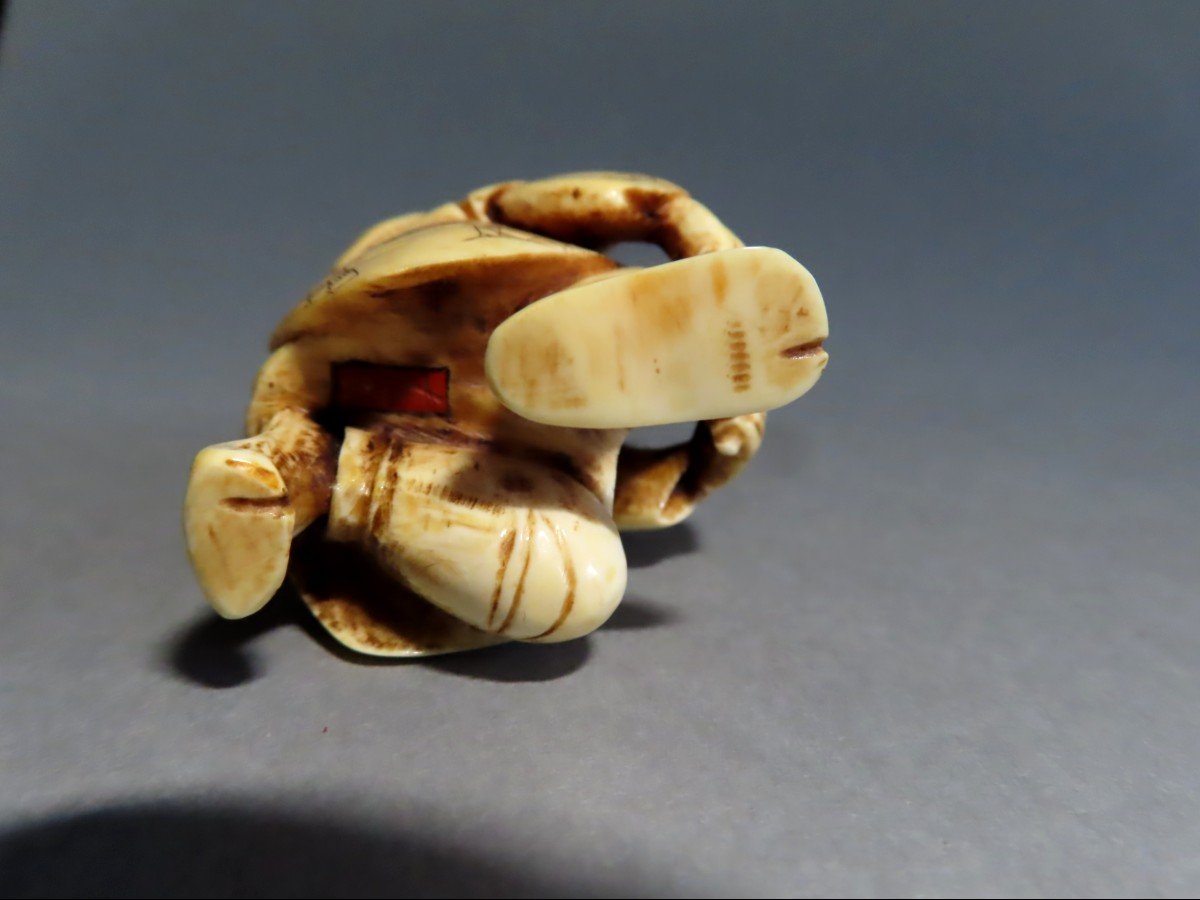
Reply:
x=545, y=662
x=516, y=662
x=648, y=548
x=638, y=614
x=188, y=849
x=219, y=654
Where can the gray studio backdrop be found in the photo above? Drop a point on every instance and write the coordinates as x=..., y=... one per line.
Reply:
x=942, y=638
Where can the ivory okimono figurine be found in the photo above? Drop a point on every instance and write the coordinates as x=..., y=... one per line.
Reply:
x=436, y=439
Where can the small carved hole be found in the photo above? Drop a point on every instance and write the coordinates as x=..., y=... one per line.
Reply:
x=635, y=253
x=661, y=435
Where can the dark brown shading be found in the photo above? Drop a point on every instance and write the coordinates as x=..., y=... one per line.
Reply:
x=305, y=454
x=441, y=298
x=810, y=348
x=650, y=213
x=276, y=505
x=739, y=357
x=369, y=609
x=673, y=479
x=530, y=525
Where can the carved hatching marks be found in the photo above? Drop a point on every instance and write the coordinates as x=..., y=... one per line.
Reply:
x=367, y=608
x=572, y=400
x=331, y=283
x=739, y=357
x=568, y=570
x=274, y=506
x=528, y=534
x=499, y=231
x=416, y=487
x=506, y=548
x=381, y=517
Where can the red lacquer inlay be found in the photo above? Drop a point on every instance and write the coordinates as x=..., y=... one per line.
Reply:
x=410, y=389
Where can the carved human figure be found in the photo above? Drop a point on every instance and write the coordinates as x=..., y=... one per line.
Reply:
x=436, y=440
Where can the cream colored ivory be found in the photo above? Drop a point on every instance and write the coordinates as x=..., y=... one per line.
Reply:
x=708, y=337
x=507, y=546
x=239, y=526
x=435, y=453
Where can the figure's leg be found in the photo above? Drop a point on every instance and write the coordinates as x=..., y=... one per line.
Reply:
x=509, y=546
x=660, y=487
x=246, y=500
x=709, y=337
x=587, y=208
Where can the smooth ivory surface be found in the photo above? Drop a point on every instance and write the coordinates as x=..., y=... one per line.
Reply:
x=718, y=335
x=942, y=637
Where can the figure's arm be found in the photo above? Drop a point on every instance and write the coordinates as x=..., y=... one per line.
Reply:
x=660, y=487
x=596, y=209
x=292, y=385
x=655, y=488
x=591, y=209
x=247, y=499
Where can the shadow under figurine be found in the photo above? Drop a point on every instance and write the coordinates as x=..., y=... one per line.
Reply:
x=437, y=436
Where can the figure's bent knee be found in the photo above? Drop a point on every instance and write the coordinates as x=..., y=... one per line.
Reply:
x=506, y=545
x=529, y=574
x=564, y=576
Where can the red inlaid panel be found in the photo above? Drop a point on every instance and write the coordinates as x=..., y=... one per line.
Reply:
x=410, y=389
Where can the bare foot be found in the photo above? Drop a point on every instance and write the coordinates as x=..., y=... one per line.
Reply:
x=239, y=524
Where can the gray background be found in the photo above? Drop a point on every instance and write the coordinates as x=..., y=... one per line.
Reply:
x=942, y=638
